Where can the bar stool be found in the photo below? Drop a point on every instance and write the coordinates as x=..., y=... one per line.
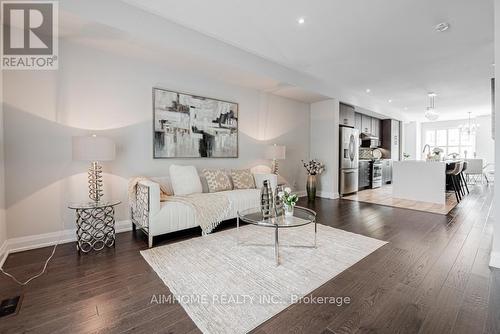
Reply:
x=462, y=177
x=453, y=175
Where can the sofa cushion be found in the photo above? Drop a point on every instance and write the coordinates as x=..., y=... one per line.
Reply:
x=217, y=180
x=242, y=179
x=185, y=180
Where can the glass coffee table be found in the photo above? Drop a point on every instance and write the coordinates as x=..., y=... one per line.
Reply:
x=301, y=216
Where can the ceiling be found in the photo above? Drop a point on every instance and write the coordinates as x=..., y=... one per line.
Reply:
x=387, y=46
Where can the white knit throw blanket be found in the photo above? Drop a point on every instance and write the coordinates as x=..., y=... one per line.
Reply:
x=210, y=208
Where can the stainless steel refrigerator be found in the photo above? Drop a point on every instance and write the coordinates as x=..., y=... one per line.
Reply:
x=349, y=152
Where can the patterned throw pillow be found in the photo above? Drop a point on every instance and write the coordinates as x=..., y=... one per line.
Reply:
x=217, y=180
x=242, y=179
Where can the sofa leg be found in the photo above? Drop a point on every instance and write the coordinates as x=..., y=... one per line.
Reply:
x=150, y=240
x=134, y=229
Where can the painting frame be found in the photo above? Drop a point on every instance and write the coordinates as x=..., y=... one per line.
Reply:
x=155, y=132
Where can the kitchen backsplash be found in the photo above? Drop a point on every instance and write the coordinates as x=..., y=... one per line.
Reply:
x=365, y=153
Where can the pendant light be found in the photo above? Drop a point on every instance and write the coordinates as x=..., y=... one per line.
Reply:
x=431, y=113
x=470, y=128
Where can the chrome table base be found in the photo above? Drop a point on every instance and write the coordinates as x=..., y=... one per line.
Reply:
x=95, y=228
x=276, y=240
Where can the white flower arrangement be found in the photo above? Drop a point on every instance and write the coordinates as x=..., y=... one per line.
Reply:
x=437, y=150
x=314, y=167
x=287, y=197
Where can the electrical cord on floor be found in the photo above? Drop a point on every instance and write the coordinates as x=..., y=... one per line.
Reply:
x=44, y=266
x=37, y=275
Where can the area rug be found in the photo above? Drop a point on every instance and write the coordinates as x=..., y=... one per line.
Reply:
x=229, y=288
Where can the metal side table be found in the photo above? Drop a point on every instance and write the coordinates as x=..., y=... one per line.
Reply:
x=95, y=225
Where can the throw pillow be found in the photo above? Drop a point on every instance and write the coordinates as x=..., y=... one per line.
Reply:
x=185, y=180
x=242, y=179
x=217, y=180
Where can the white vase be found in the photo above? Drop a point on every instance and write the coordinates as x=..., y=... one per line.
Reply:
x=289, y=210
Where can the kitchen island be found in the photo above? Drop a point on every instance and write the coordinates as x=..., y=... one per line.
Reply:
x=418, y=180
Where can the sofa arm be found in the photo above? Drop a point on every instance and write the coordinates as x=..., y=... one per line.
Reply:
x=153, y=196
x=259, y=179
x=146, y=204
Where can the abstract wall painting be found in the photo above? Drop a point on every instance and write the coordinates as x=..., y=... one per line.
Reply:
x=189, y=126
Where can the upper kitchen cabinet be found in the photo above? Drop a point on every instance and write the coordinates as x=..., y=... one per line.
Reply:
x=366, y=124
x=357, y=122
x=346, y=116
x=375, y=127
x=391, y=139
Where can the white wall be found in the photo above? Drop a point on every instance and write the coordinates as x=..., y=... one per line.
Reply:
x=97, y=91
x=3, y=224
x=495, y=252
x=484, y=144
x=411, y=139
x=325, y=144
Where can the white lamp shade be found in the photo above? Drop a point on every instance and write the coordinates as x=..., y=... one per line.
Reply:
x=276, y=152
x=93, y=148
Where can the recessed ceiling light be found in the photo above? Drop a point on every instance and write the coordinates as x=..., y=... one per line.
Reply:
x=390, y=101
x=368, y=90
x=443, y=26
x=301, y=20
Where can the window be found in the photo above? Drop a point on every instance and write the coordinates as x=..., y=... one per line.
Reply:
x=452, y=141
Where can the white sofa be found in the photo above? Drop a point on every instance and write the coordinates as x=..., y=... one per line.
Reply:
x=157, y=218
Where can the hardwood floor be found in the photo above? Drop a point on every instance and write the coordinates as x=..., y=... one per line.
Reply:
x=383, y=196
x=432, y=277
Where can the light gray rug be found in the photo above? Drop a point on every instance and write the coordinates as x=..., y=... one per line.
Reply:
x=226, y=288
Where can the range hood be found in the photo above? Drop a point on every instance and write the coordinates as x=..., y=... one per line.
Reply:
x=368, y=137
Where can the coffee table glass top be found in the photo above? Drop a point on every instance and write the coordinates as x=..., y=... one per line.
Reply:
x=301, y=216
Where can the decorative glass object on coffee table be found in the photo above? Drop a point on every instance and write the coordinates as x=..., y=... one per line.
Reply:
x=95, y=225
x=301, y=216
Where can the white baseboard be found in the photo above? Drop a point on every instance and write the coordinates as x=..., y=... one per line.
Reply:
x=327, y=194
x=495, y=259
x=301, y=193
x=3, y=253
x=20, y=244
x=322, y=194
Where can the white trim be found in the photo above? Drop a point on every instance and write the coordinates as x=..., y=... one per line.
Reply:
x=20, y=244
x=322, y=194
x=495, y=259
x=301, y=193
x=328, y=194
x=3, y=253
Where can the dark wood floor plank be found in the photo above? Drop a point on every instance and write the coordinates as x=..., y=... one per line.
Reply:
x=473, y=312
x=493, y=320
x=432, y=277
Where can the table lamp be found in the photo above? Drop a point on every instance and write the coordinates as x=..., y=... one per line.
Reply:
x=94, y=149
x=275, y=152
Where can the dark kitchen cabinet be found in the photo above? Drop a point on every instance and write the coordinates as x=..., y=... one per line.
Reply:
x=346, y=115
x=386, y=171
x=391, y=139
x=376, y=127
x=366, y=124
x=363, y=174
